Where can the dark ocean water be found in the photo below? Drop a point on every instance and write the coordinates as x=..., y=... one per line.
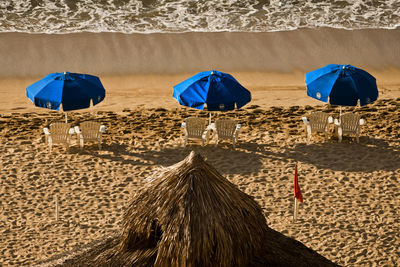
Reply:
x=147, y=16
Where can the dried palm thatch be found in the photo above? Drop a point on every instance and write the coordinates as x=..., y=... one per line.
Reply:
x=190, y=215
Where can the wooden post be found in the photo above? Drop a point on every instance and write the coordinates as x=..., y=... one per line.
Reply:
x=56, y=202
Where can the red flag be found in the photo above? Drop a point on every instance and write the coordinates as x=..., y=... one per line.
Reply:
x=297, y=192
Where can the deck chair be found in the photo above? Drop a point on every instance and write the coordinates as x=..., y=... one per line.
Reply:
x=90, y=131
x=195, y=128
x=318, y=122
x=227, y=129
x=349, y=123
x=59, y=133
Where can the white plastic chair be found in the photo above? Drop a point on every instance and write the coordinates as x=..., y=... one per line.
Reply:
x=349, y=123
x=317, y=122
x=90, y=131
x=59, y=133
x=195, y=128
x=227, y=129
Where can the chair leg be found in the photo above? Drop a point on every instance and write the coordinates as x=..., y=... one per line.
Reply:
x=50, y=142
x=308, y=134
x=358, y=139
x=81, y=144
x=340, y=132
x=236, y=137
x=185, y=143
x=233, y=143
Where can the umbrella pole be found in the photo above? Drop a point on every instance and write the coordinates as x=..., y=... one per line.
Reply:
x=209, y=118
x=66, y=117
x=340, y=113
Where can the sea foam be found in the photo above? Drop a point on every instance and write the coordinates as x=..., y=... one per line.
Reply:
x=150, y=16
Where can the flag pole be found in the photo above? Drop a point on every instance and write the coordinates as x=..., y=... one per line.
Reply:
x=297, y=194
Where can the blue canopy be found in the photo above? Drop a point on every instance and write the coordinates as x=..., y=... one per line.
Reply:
x=220, y=91
x=72, y=90
x=342, y=85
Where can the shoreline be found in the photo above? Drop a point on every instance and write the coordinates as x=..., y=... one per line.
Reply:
x=220, y=31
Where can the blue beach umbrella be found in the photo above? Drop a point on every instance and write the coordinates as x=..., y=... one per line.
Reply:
x=71, y=91
x=217, y=90
x=342, y=85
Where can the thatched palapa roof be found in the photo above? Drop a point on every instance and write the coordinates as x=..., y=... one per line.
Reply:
x=190, y=215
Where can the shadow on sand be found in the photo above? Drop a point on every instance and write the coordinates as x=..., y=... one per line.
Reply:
x=367, y=156
x=224, y=158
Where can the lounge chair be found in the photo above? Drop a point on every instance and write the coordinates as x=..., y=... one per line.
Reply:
x=90, y=131
x=59, y=133
x=195, y=128
x=227, y=129
x=349, y=123
x=318, y=122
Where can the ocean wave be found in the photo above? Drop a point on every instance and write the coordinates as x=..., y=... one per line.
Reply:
x=157, y=16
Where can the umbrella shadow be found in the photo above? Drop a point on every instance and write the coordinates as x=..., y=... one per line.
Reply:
x=113, y=152
x=223, y=157
x=367, y=156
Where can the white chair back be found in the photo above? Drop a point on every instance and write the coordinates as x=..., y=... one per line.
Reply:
x=59, y=132
x=195, y=127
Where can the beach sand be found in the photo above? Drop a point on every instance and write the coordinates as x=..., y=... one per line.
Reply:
x=351, y=209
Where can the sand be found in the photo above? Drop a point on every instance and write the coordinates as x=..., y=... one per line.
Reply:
x=27, y=55
x=155, y=90
x=350, y=213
